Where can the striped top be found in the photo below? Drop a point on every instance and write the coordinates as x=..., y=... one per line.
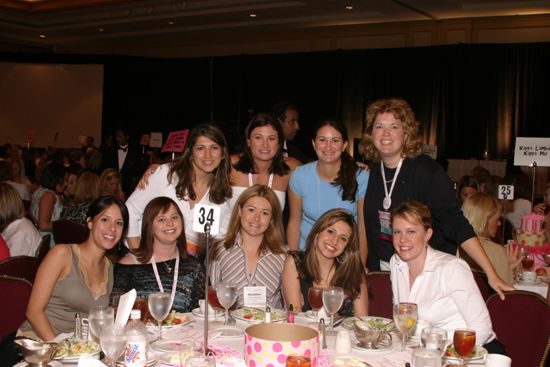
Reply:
x=230, y=267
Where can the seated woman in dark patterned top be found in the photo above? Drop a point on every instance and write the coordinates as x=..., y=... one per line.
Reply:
x=87, y=190
x=160, y=263
x=331, y=258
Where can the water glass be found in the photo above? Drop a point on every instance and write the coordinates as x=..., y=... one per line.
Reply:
x=227, y=295
x=333, y=298
x=98, y=317
x=405, y=315
x=434, y=339
x=112, y=340
x=423, y=357
x=159, y=307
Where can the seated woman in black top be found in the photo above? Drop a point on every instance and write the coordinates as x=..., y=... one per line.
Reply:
x=331, y=259
x=160, y=263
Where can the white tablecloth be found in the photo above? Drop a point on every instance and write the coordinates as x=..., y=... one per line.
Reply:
x=540, y=288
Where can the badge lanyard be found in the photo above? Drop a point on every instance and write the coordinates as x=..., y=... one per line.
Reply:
x=174, y=282
x=387, y=199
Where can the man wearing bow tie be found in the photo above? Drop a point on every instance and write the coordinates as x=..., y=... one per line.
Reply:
x=128, y=160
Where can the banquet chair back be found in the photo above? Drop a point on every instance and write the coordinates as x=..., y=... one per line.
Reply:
x=482, y=283
x=16, y=293
x=66, y=231
x=43, y=248
x=20, y=266
x=522, y=324
x=380, y=296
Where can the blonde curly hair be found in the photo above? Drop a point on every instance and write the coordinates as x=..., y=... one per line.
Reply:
x=403, y=112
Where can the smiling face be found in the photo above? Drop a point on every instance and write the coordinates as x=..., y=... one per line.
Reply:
x=263, y=143
x=388, y=137
x=329, y=144
x=206, y=155
x=256, y=214
x=410, y=240
x=167, y=226
x=106, y=228
x=333, y=240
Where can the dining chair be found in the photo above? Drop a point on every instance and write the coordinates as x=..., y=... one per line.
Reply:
x=20, y=266
x=380, y=294
x=66, y=231
x=43, y=248
x=482, y=283
x=16, y=293
x=522, y=324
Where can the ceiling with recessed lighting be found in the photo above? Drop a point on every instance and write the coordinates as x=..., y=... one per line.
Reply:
x=110, y=26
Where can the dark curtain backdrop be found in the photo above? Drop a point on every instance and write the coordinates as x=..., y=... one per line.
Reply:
x=468, y=98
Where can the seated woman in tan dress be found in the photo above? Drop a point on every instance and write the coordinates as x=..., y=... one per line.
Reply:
x=484, y=213
x=73, y=278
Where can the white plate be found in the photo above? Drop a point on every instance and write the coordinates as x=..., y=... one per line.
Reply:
x=479, y=351
x=197, y=312
x=228, y=331
x=346, y=361
x=168, y=345
x=348, y=322
x=310, y=314
x=378, y=349
x=276, y=315
x=74, y=359
x=153, y=322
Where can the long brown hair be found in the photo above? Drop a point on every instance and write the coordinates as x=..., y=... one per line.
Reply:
x=402, y=111
x=11, y=205
x=273, y=236
x=181, y=170
x=349, y=273
x=156, y=206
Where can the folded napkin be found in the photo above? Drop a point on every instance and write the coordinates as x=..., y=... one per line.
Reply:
x=87, y=361
x=125, y=305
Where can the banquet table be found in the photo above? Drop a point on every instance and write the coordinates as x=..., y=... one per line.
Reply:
x=234, y=346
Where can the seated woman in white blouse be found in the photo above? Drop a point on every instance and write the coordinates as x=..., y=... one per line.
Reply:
x=440, y=284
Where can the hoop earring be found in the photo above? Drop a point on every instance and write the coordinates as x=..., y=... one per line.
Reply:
x=341, y=261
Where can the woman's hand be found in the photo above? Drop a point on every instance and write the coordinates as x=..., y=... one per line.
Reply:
x=539, y=208
x=514, y=260
x=363, y=166
x=144, y=181
x=499, y=285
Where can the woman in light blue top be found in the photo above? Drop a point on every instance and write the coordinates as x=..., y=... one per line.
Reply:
x=333, y=181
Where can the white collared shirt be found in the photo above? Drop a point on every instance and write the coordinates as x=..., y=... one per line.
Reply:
x=122, y=156
x=446, y=294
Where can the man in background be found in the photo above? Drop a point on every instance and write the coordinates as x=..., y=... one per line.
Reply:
x=287, y=114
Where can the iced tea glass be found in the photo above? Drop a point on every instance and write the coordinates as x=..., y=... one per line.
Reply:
x=464, y=341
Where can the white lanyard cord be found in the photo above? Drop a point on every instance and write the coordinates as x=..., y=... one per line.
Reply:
x=387, y=199
x=174, y=282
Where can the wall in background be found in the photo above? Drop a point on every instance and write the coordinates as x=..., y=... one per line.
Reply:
x=60, y=102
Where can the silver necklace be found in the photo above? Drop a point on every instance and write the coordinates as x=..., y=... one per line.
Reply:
x=386, y=203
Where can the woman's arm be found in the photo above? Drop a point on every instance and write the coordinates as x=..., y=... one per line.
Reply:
x=294, y=220
x=476, y=252
x=361, y=302
x=363, y=249
x=45, y=210
x=291, y=284
x=55, y=266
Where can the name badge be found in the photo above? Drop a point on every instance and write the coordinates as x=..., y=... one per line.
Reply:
x=255, y=296
x=203, y=214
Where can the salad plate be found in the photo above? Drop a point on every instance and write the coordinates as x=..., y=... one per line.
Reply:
x=257, y=315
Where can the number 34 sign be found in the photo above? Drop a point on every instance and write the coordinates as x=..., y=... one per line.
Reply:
x=204, y=214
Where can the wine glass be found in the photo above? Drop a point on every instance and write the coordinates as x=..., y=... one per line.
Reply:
x=315, y=299
x=98, y=317
x=527, y=260
x=405, y=315
x=333, y=297
x=159, y=307
x=227, y=295
x=213, y=298
x=112, y=340
x=464, y=341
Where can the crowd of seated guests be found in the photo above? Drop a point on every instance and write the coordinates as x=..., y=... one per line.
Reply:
x=334, y=207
